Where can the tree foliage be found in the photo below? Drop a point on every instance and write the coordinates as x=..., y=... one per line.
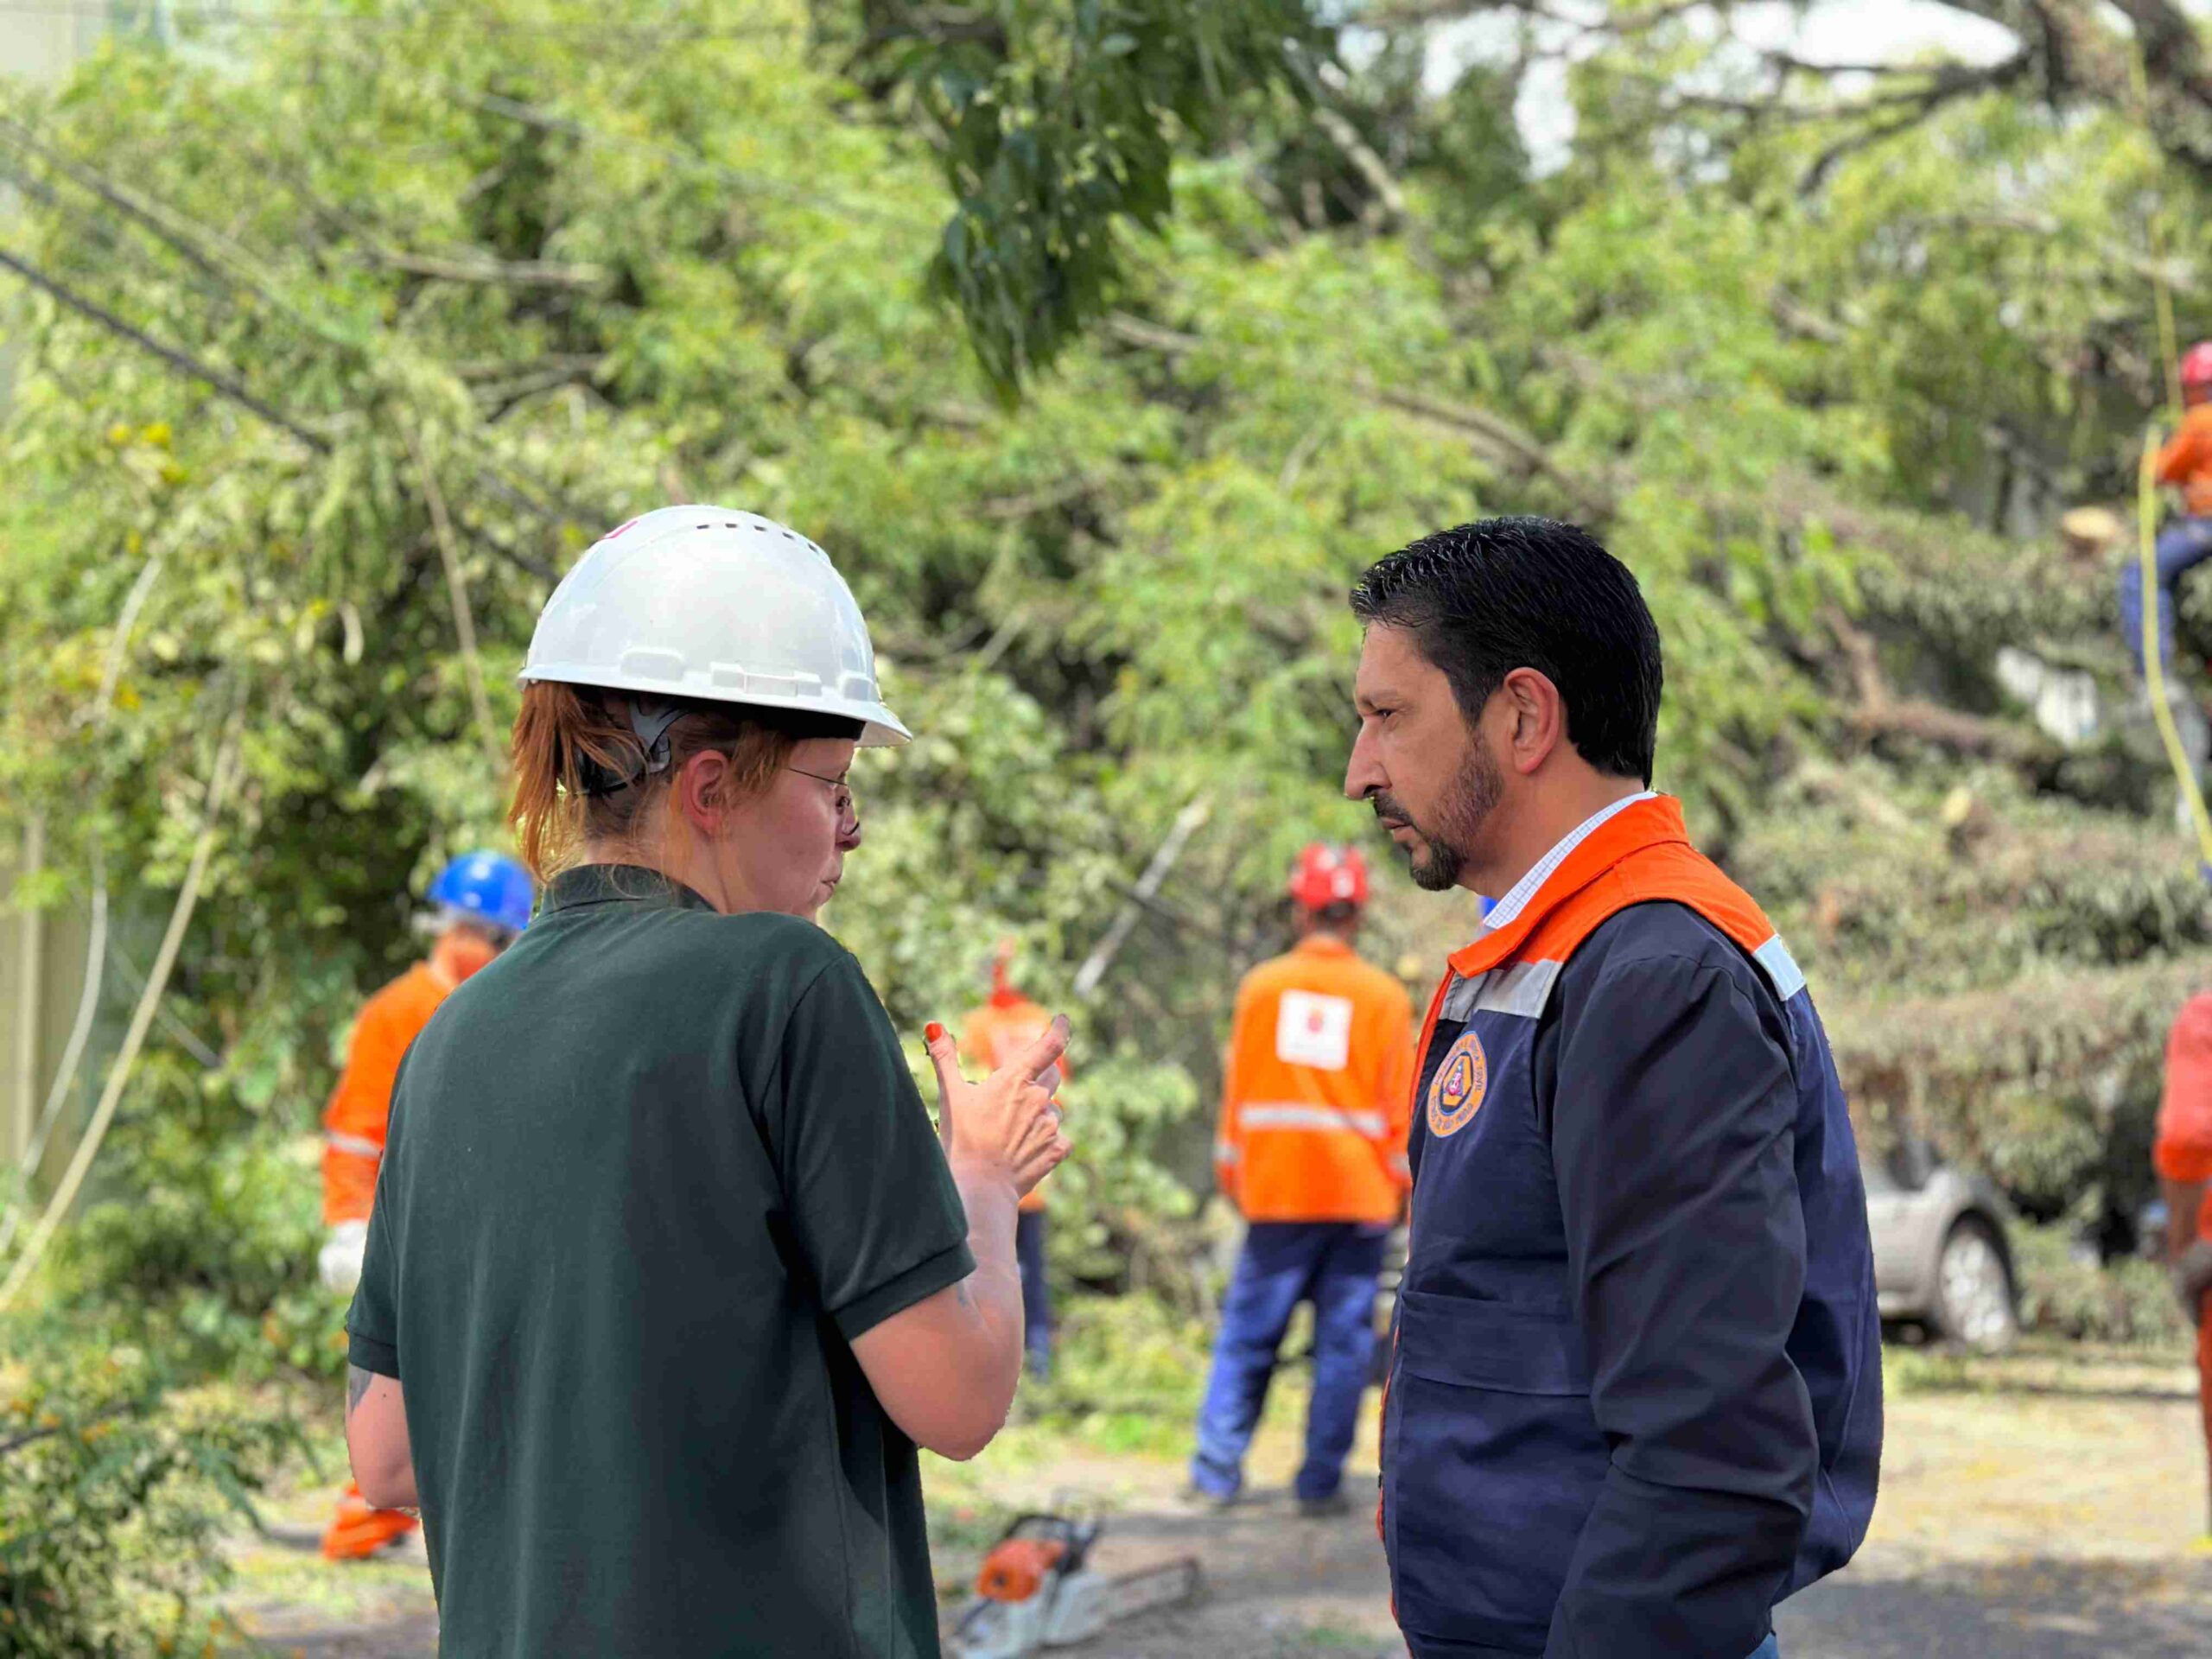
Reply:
x=113, y=1504
x=440, y=303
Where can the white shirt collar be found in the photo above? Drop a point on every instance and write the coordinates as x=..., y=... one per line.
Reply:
x=1525, y=889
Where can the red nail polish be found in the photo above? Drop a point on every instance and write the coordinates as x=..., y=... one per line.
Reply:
x=933, y=1032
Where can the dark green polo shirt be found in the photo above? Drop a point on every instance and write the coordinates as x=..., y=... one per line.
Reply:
x=649, y=1175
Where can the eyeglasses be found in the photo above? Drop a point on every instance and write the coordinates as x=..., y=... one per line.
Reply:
x=841, y=797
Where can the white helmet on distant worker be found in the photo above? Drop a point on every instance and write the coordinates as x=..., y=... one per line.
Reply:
x=716, y=606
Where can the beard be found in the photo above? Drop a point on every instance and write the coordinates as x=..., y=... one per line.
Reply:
x=1436, y=862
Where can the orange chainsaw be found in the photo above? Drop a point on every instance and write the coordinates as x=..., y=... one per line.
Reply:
x=1037, y=1589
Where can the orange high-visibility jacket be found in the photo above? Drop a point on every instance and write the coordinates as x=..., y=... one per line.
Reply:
x=996, y=1033
x=2183, y=1150
x=361, y=1107
x=1317, y=1092
x=2187, y=461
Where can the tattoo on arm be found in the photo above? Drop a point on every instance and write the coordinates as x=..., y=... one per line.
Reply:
x=357, y=1384
x=963, y=1295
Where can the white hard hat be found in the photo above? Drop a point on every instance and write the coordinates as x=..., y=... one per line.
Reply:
x=717, y=606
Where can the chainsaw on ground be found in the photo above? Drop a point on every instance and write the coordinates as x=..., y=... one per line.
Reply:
x=1037, y=1589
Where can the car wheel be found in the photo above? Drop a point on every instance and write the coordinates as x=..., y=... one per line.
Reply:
x=1974, y=1304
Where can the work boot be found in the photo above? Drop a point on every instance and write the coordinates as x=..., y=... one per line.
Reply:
x=359, y=1530
x=1203, y=1498
x=1321, y=1508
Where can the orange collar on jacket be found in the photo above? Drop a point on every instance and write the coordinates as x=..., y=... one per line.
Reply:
x=1634, y=828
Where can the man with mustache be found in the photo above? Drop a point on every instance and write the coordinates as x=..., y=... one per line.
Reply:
x=1635, y=1398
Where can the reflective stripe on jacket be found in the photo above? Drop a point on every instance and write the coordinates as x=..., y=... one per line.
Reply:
x=1635, y=1397
x=361, y=1107
x=1316, y=1091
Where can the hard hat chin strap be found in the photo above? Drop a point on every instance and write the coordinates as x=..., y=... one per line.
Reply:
x=650, y=719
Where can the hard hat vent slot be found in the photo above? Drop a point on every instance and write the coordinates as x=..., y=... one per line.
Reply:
x=653, y=664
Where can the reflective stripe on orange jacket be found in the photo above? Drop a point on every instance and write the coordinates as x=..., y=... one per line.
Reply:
x=2187, y=461
x=1317, y=1092
x=353, y=1124
x=996, y=1033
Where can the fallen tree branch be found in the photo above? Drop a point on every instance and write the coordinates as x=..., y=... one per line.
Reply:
x=1504, y=441
x=1187, y=824
x=1880, y=713
x=464, y=618
x=121, y=1408
x=491, y=273
x=1388, y=207
x=223, y=776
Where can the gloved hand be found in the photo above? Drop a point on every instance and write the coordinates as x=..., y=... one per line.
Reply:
x=2192, y=1272
x=340, y=1264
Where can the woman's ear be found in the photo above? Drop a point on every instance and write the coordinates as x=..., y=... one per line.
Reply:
x=699, y=787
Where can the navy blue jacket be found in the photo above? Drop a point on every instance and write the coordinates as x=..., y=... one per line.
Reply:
x=1636, y=1395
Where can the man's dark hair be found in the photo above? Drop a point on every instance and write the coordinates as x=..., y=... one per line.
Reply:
x=1503, y=594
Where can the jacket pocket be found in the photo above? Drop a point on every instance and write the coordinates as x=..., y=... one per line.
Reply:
x=1496, y=1463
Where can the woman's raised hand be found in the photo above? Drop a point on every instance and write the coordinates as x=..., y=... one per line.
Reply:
x=1009, y=1120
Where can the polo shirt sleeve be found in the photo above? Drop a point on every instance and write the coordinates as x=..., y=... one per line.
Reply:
x=1673, y=1140
x=873, y=1207
x=372, y=1322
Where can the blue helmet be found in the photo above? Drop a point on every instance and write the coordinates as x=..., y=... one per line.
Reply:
x=485, y=886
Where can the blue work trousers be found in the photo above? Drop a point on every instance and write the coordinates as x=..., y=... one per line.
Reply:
x=1036, y=1293
x=2183, y=544
x=1333, y=1264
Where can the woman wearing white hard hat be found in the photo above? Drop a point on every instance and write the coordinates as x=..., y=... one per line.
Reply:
x=668, y=1273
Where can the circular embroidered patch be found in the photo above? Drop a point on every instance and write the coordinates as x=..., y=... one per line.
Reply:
x=1455, y=1093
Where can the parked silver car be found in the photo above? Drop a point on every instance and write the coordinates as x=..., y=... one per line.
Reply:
x=1942, y=1249
x=1942, y=1254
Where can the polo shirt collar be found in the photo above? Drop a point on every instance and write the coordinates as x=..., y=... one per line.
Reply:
x=1508, y=909
x=619, y=884
x=1595, y=846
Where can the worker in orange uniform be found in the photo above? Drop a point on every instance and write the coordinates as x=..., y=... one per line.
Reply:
x=1314, y=1111
x=2183, y=1154
x=990, y=1038
x=2185, y=542
x=481, y=902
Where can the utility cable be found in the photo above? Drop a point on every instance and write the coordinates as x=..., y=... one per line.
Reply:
x=183, y=362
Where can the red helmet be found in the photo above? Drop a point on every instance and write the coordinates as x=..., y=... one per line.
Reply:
x=2196, y=364
x=1328, y=875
